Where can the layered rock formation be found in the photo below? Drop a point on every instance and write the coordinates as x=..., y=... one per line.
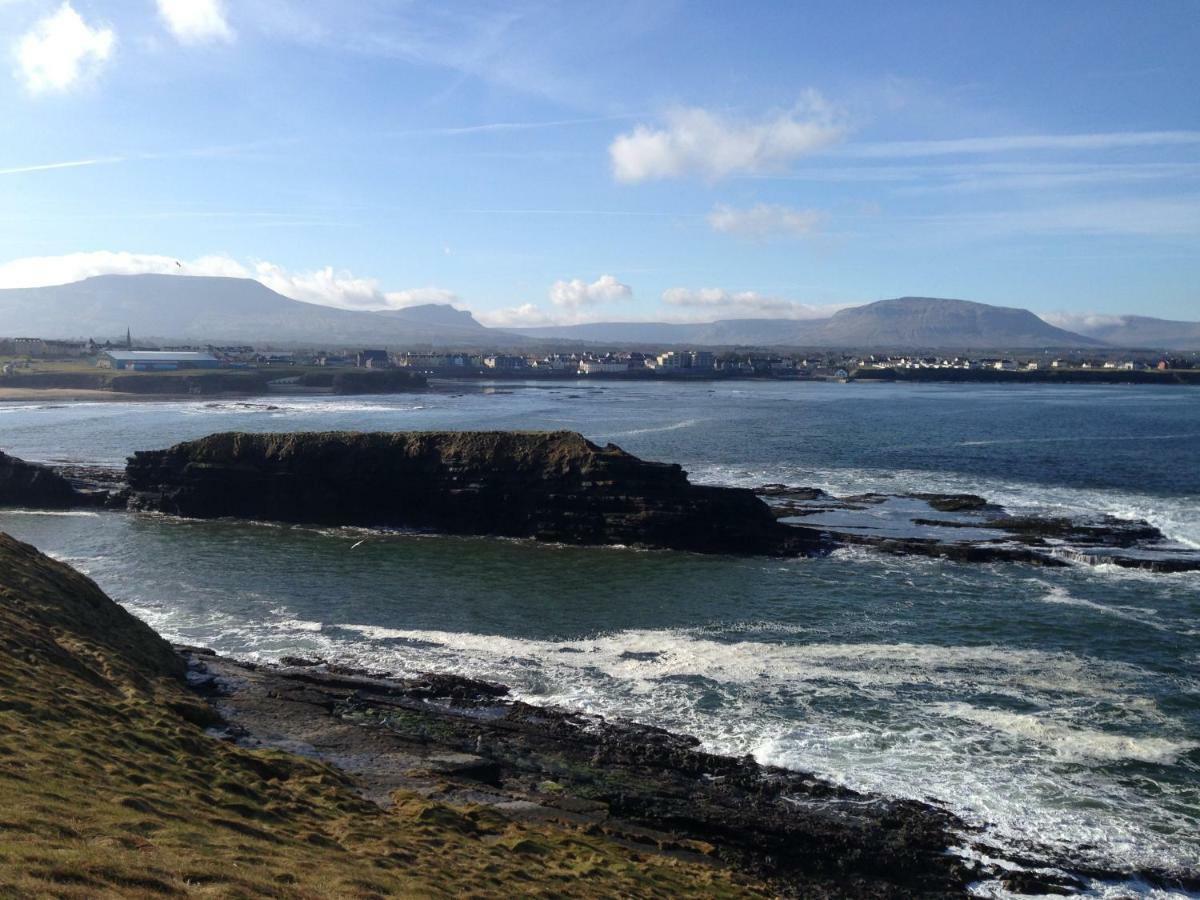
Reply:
x=37, y=487
x=552, y=486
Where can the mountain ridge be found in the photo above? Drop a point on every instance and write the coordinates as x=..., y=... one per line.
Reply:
x=200, y=308
x=210, y=309
x=898, y=323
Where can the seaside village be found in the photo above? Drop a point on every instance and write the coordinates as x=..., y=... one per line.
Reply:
x=25, y=353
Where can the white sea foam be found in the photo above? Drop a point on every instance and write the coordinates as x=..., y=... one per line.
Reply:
x=54, y=513
x=903, y=719
x=279, y=407
x=675, y=426
x=1176, y=517
x=1068, y=743
x=1140, y=614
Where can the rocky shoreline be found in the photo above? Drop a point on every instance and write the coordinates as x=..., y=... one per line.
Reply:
x=462, y=741
x=968, y=528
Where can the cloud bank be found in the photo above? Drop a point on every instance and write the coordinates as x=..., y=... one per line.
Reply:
x=61, y=50
x=325, y=286
x=695, y=141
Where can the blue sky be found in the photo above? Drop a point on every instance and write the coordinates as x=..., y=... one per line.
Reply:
x=580, y=161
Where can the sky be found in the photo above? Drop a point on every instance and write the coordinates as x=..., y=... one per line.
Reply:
x=540, y=162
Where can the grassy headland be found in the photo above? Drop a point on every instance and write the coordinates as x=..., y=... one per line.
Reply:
x=110, y=786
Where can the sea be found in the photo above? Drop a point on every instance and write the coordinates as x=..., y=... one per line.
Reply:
x=1052, y=707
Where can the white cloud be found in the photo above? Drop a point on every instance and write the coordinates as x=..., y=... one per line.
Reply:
x=1081, y=322
x=578, y=293
x=721, y=303
x=196, y=21
x=764, y=220
x=695, y=141
x=325, y=286
x=37, y=271
x=526, y=315
x=61, y=50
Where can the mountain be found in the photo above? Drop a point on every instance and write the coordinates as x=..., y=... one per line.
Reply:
x=920, y=322
x=201, y=309
x=441, y=315
x=902, y=323
x=1141, y=332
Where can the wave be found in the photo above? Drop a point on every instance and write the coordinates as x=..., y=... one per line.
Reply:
x=676, y=426
x=1145, y=439
x=1140, y=614
x=280, y=408
x=904, y=719
x=1175, y=516
x=1072, y=744
x=59, y=513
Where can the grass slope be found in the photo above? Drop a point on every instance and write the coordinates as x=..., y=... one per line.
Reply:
x=110, y=787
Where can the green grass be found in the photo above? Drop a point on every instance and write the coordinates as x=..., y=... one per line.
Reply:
x=110, y=787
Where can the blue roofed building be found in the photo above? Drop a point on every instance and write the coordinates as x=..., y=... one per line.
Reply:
x=156, y=360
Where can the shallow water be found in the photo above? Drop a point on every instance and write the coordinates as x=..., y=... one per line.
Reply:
x=1061, y=705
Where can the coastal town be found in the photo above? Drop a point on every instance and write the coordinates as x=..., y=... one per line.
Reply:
x=25, y=355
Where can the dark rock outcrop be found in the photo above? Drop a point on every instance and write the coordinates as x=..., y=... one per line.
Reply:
x=633, y=782
x=552, y=486
x=972, y=529
x=36, y=487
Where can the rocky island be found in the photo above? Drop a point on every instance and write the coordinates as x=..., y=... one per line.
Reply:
x=552, y=486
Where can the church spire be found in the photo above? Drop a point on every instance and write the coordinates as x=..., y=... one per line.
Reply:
x=128, y=339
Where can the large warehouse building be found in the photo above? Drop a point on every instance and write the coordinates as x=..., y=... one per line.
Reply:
x=156, y=360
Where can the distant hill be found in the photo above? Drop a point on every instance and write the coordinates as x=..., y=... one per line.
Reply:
x=197, y=309
x=1143, y=333
x=915, y=322
x=190, y=308
x=436, y=315
x=903, y=323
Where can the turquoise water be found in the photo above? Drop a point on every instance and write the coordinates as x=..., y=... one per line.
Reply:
x=1057, y=705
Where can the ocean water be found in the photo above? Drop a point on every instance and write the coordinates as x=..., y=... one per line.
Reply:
x=1057, y=706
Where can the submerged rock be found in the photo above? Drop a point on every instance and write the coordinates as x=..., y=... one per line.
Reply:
x=552, y=486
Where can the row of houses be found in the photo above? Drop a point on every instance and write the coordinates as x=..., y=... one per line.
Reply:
x=1004, y=364
x=695, y=363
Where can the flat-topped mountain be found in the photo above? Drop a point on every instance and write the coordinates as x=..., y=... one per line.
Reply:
x=435, y=314
x=902, y=323
x=919, y=322
x=207, y=309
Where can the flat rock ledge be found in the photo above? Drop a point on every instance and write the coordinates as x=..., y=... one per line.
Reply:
x=465, y=741
x=551, y=486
